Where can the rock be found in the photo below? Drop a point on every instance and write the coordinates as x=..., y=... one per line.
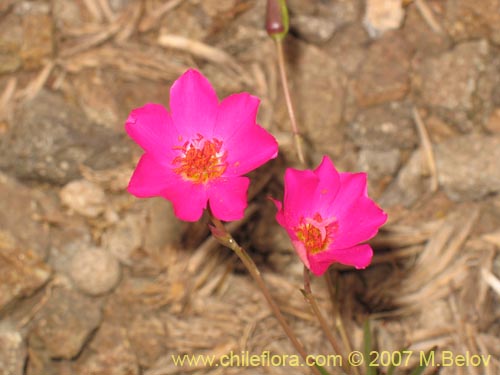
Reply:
x=84, y=197
x=382, y=15
x=94, y=97
x=52, y=138
x=22, y=272
x=493, y=124
x=350, y=43
x=420, y=36
x=124, y=238
x=65, y=323
x=448, y=83
x=384, y=74
x=318, y=23
x=11, y=38
x=151, y=225
x=379, y=163
x=94, y=271
x=409, y=185
x=468, y=166
x=313, y=29
x=470, y=19
x=12, y=350
x=110, y=353
x=69, y=14
x=38, y=43
x=19, y=206
x=318, y=93
x=148, y=337
x=387, y=126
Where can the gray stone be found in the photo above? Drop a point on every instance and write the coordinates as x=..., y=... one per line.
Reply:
x=313, y=29
x=348, y=46
x=38, y=37
x=420, y=36
x=94, y=271
x=12, y=350
x=468, y=166
x=52, y=138
x=387, y=126
x=468, y=169
x=110, y=353
x=318, y=93
x=84, y=197
x=409, y=185
x=11, y=38
x=19, y=206
x=148, y=338
x=378, y=163
x=448, y=83
x=384, y=74
x=22, y=272
x=382, y=16
x=65, y=323
x=471, y=19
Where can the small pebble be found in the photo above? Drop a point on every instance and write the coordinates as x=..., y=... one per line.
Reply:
x=94, y=271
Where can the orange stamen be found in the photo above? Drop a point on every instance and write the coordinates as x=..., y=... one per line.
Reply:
x=200, y=160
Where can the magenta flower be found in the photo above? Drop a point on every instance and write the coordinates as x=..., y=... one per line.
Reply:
x=328, y=216
x=196, y=155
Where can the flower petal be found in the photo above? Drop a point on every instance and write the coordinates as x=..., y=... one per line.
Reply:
x=235, y=113
x=150, y=178
x=301, y=252
x=193, y=104
x=151, y=127
x=358, y=256
x=358, y=216
x=188, y=199
x=327, y=189
x=228, y=198
x=300, y=186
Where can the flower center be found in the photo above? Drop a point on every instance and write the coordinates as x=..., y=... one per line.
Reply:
x=316, y=233
x=200, y=160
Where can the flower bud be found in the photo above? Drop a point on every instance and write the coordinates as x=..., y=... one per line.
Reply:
x=277, y=19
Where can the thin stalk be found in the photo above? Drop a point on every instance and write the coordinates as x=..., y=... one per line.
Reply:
x=288, y=99
x=224, y=237
x=338, y=319
x=321, y=319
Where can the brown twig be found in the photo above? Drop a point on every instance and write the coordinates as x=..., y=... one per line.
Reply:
x=427, y=149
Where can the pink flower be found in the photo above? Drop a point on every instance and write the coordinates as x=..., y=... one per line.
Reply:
x=328, y=215
x=195, y=155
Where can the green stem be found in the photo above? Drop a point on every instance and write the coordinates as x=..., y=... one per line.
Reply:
x=224, y=237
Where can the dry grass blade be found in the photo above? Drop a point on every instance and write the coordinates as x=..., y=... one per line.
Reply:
x=7, y=96
x=427, y=149
x=94, y=9
x=203, y=51
x=492, y=280
x=133, y=61
x=438, y=269
x=37, y=84
x=152, y=18
x=428, y=16
x=106, y=10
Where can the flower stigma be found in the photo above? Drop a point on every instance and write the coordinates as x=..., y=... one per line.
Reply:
x=316, y=233
x=200, y=160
